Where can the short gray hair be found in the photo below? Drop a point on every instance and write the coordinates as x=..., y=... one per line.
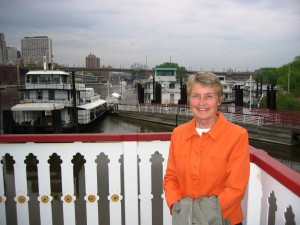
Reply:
x=205, y=79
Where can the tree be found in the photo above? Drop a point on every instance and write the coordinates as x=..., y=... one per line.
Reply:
x=180, y=72
x=229, y=71
x=287, y=102
x=287, y=79
x=290, y=77
x=297, y=58
x=268, y=75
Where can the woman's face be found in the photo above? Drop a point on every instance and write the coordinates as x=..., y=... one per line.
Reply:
x=203, y=102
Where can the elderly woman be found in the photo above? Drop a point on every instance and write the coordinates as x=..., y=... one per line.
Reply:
x=208, y=156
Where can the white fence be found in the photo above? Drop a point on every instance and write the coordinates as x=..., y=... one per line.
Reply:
x=117, y=179
x=253, y=119
x=243, y=115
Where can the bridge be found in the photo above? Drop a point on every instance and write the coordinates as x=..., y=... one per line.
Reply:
x=141, y=70
x=101, y=69
x=13, y=74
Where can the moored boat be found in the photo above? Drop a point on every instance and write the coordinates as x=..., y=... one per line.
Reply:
x=53, y=103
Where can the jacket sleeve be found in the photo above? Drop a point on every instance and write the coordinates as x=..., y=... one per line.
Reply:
x=171, y=185
x=238, y=170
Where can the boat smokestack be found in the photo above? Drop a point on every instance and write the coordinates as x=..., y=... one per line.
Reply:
x=44, y=62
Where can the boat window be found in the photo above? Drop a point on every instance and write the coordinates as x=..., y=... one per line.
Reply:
x=42, y=80
x=28, y=79
x=39, y=94
x=51, y=94
x=47, y=79
x=64, y=79
x=26, y=95
x=34, y=79
x=165, y=73
x=56, y=80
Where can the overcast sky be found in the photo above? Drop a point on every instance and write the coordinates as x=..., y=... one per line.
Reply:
x=197, y=34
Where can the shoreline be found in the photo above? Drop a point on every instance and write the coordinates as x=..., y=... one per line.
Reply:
x=276, y=135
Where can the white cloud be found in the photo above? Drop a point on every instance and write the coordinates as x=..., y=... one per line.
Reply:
x=195, y=33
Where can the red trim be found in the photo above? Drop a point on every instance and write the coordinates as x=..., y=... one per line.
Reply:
x=61, y=138
x=283, y=174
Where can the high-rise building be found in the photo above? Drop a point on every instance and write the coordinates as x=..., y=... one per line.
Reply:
x=3, y=54
x=34, y=48
x=12, y=55
x=92, y=61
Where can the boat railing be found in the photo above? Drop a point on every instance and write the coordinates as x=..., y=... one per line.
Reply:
x=117, y=179
x=65, y=102
x=94, y=98
x=84, y=116
x=50, y=85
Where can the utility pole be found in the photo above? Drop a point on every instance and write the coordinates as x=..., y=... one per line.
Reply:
x=75, y=113
x=289, y=74
x=1, y=114
x=250, y=97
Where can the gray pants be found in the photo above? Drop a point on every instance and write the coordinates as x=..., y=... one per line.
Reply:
x=201, y=211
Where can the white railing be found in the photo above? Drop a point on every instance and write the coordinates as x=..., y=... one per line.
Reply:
x=117, y=179
x=62, y=86
x=185, y=111
x=157, y=108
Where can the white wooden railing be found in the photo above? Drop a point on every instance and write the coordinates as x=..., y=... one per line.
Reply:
x=117, y=179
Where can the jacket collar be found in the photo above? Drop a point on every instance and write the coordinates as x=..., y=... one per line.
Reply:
x=214, y=132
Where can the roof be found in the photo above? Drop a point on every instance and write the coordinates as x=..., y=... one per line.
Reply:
x=37, y=107
x=48, y=72
x=115, y=95
x=92, y=104
x=165, y=68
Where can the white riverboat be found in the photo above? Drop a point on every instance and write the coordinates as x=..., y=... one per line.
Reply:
x=52, y=102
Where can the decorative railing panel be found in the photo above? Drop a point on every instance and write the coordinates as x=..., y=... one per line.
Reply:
x=117, y=179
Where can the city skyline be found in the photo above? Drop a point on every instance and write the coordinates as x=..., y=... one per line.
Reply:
x=207, y=35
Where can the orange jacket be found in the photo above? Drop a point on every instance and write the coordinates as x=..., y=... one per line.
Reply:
x=216, y=163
